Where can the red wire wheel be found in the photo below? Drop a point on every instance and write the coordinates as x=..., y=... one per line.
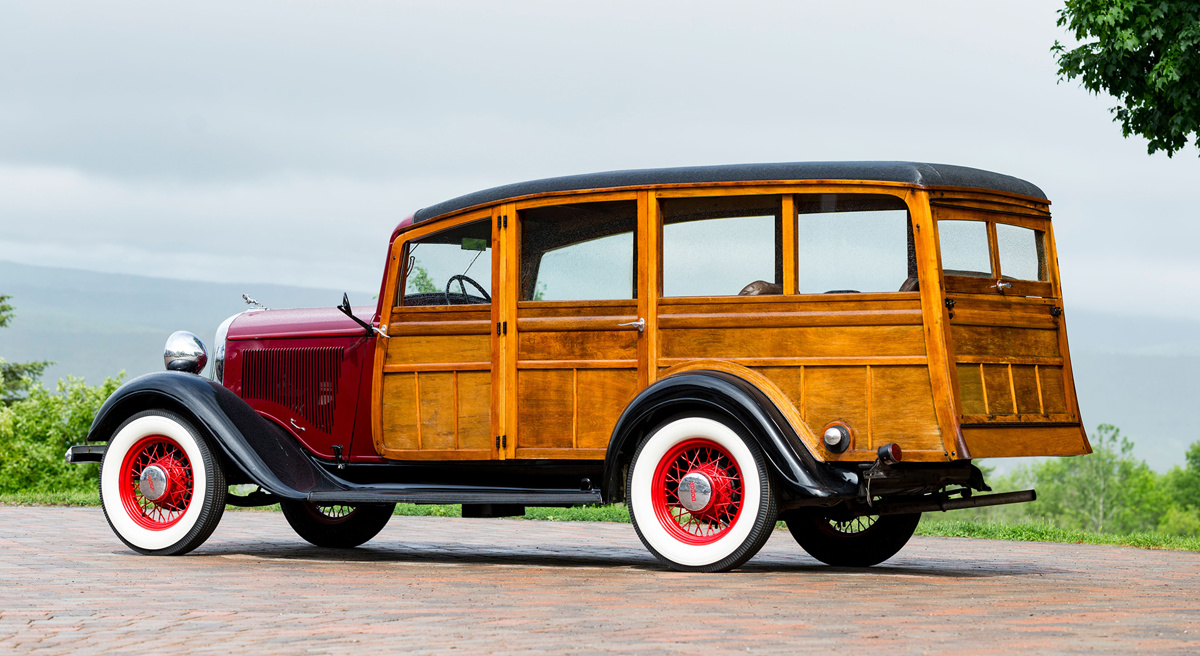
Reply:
x=698, y=517
x=173, y=467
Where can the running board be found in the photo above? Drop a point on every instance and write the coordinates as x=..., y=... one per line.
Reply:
x=441, y=495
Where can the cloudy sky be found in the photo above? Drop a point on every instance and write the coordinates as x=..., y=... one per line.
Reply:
x=282, y=141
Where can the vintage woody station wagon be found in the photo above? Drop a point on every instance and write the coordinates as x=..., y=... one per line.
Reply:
x=829, y=344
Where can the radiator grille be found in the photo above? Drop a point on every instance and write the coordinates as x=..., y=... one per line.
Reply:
x=302, y=379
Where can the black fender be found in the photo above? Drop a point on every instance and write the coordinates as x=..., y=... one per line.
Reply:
x=737, y=399
x=263, y=451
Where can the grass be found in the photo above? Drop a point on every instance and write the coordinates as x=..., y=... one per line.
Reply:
x=1023, y=532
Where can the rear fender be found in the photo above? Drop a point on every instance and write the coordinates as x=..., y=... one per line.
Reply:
x=733, y=398
x=261, y=450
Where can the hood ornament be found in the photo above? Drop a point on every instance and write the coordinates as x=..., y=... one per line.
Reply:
x=253, y=303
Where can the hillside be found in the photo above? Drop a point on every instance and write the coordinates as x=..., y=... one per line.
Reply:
x=1134, y=372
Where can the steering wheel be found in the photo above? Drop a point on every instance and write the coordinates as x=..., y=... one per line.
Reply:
x=463, y=290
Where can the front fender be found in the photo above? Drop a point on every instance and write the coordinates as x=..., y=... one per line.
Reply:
x=737, y=399
x=263, y=451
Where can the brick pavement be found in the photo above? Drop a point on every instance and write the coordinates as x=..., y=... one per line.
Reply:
x=439, y=585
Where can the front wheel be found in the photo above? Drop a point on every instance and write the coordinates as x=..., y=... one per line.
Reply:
x=337, y=526
x=161, y=488
x=855, y=542
x=700, y=495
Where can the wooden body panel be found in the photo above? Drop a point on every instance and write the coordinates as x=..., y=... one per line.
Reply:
x=862, y=363
x=548, y=380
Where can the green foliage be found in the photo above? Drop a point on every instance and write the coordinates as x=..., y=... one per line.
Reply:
x=1107, y=491
x=16, y=378
x=1146, y=53
x=421, y=283
x=36, y=431
x=931, y=526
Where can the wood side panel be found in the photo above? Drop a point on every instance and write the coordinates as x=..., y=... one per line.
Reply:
x=1009, y=441
x=475, y=410
x=546, y=410
x=1005, y=341
x=859, y=341
x=970, y=388
x=1025, y=384
x=438, y=413
x=432, y=349
x=837, y=394
x=902, y=409
x=620, y=344
x=998, y=389
x=806, y=303
x=1054, y=391
x=603, y=395
x=507, y=389
x=399, y=412
x=649, y=285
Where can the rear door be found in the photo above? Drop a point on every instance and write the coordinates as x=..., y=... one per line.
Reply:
x=1008, y=340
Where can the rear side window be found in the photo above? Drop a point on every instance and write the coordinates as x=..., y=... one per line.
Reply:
x=853, y=243
x=964, y=247
x=1022, y=252
x=451, y=267
x=721, y=246
x=578, y=252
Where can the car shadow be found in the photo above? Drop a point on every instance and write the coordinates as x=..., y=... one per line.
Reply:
x=616, y=558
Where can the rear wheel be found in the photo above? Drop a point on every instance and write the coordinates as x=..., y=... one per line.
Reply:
x=161, y=488
x=700, y=495
x=855, y=542
x=337, y=526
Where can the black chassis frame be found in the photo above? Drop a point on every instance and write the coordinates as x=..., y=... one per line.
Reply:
x=257, y=451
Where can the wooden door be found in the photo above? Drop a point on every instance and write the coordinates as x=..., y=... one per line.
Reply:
x=437, y=378
x=573, y=346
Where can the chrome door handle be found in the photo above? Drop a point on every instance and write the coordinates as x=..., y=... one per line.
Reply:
x=297, y=427
x=640, y=324
x=1001, y=285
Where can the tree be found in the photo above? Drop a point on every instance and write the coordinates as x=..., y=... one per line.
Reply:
x=1146, y=53
x=16, y=378
x=1107, y=491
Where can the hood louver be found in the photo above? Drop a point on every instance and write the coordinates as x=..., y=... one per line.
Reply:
x=305, y=380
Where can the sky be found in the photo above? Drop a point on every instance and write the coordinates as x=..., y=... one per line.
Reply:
x=282, y=141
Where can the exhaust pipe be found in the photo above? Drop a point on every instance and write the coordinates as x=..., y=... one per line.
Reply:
x=932, y=505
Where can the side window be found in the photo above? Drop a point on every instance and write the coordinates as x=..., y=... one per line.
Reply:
x=853, y=243
x=451, y=267
x=964, y=247
x=721, y=246
x=578, y=252
x=1022, y=252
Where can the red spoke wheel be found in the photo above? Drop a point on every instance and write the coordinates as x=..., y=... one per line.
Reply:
x=700, y=495
x=851, y=541
x=337, y=526
x=161, y=488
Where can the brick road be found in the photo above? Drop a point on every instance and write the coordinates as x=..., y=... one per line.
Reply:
x=440, y=585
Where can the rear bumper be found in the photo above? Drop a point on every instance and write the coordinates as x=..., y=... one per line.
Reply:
x=86, y=453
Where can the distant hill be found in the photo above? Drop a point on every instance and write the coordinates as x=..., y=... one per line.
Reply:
x=1135, y=372
x=96, y=324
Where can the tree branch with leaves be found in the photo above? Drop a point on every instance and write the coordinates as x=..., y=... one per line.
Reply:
x=1146, y=53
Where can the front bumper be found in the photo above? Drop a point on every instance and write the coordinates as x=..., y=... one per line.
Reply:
x=86, y=453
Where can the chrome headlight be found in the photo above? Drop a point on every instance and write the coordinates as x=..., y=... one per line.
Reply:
x=185, y=352
x=218, y=370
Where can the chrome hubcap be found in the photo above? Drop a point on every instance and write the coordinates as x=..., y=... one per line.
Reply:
x=695, y=491
x=153, y=483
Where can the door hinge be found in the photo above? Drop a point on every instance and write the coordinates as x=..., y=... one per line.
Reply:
x=501, y=442
x=501, y=221
x=501, y=328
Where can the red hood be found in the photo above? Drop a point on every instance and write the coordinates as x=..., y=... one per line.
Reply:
x=305, y=322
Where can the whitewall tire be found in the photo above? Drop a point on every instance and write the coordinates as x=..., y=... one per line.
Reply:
x=161, y=487
x=700, y=495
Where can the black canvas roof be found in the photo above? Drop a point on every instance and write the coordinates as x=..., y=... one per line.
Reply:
x=916, y=173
